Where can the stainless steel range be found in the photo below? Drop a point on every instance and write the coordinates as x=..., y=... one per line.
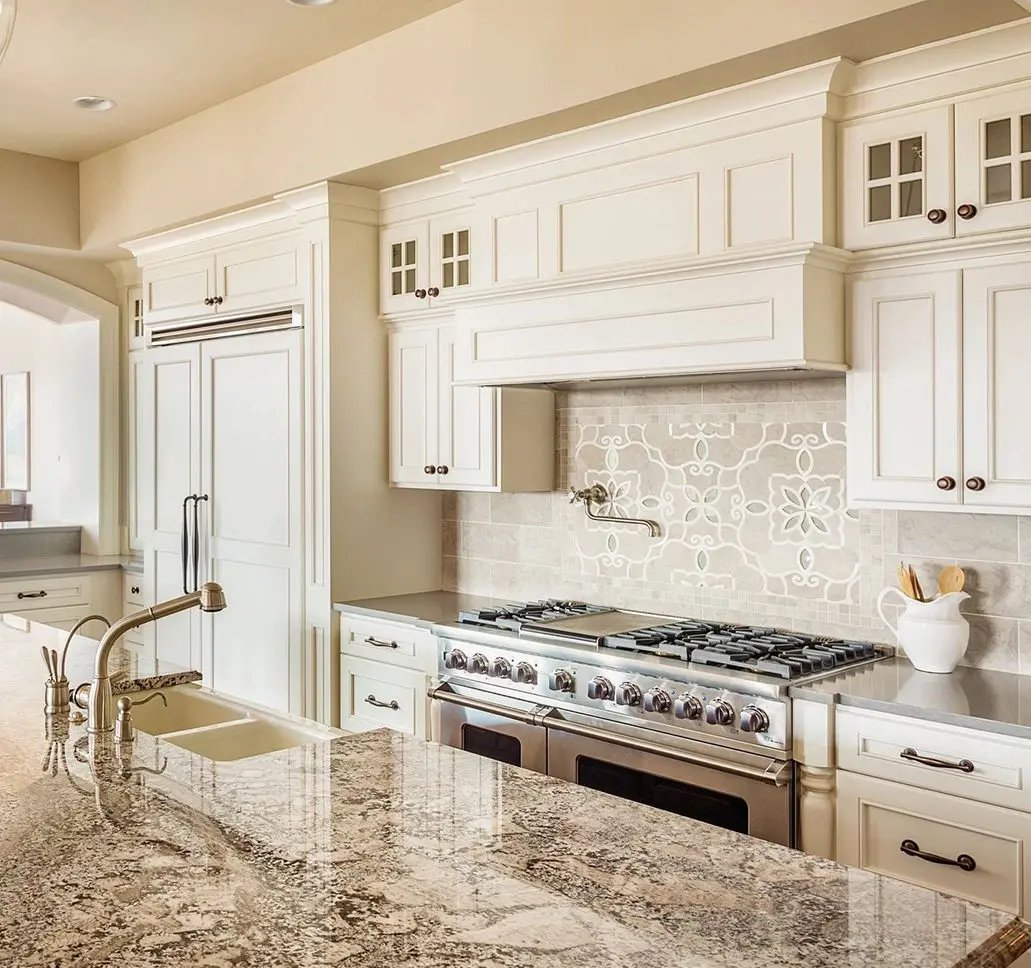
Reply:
x=686, y=715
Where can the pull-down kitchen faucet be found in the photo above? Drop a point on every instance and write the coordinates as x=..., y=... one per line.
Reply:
x=209, y=597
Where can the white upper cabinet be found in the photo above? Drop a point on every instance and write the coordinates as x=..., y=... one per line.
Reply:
x=404, y=263
x=463, y=437
x=904, y=390
x=937, y=390
x=896, y=179
x=255, y=275
x=993, y=162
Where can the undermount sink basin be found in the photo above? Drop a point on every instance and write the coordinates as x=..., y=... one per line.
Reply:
x=188, y=708
x=221, y=729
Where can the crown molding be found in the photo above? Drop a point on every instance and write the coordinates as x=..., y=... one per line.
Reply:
x=946, y=254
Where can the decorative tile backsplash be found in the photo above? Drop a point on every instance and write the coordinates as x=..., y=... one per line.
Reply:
x=747, y=482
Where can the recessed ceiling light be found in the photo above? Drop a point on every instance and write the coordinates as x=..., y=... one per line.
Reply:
x=311, y=3
x=93, y=103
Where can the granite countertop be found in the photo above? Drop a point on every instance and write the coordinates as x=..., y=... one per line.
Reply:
x=997, y=702
x=380, y=849
x=59, y=564
x=422, y=609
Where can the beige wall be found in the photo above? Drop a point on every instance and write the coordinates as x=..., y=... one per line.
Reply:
x=472, y=68
x=94, y=277
x=39, y=201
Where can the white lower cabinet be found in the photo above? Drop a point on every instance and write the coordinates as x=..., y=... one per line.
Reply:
x=957, y=846
x=463, y=437
x=385, y=670
x=936, y=393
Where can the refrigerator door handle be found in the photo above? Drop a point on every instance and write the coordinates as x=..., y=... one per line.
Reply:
x=184, y=552
x=196, y=538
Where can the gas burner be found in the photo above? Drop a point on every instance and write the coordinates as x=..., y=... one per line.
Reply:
x=514, y=616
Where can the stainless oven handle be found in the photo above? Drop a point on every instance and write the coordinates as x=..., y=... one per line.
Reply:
x=777, y=773
x=444, y=694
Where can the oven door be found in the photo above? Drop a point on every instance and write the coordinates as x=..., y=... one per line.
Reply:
x=471, y=721
x=743, y=791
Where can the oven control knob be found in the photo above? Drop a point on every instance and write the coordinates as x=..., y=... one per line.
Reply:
x=628, y=694
x=477, y=664
x=657, y=701
x=599, y=688
x=500, y=668
x=455, y=659
x=688, y=707
x=525, y=673
x=754, y=719
x=719, y=712
x=561, y=680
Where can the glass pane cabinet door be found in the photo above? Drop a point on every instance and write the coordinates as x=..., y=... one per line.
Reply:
x=896, y=179
x=403, y=262
x=993, y=162
x=450, y=256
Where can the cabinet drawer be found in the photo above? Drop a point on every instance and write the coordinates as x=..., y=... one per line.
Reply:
x=132, y=590
x=374, y=694
x=998, y=768
x=876, y=818
x=28, y=594
x=389, y=642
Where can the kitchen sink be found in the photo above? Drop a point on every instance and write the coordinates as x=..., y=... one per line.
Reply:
x=219, y=728
x=188, y=708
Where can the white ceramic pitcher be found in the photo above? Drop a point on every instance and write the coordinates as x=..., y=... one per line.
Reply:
x=934, y=635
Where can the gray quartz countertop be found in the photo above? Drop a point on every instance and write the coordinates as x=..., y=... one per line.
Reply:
x=381, y=849
x=997, y=702
x=58, y=565
x=422, y=609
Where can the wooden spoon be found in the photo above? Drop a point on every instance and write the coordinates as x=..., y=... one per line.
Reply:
x=906, y=581
x=918, y=591
x=951, y=579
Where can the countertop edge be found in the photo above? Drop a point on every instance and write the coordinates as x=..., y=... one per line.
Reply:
x=414, y=620
x=1002, y=949
x=162, y=681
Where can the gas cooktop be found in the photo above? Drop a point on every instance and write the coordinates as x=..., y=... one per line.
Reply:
x=759, y=650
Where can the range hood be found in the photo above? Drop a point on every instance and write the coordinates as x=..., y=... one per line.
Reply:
x=781, y=313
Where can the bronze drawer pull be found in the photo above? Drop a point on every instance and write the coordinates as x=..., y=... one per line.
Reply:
x=914, y=757
x=380, y=645
x=22, y=595
x=912, y=849
x=373, y=701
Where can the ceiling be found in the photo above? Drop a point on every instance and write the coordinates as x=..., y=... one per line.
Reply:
x=162, y=60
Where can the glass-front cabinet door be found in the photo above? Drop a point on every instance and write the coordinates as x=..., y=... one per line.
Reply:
x=897, y=179
x=450, y=256
x=404, y=268
x=993, y=162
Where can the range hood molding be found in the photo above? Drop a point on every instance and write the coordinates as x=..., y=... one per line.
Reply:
x=780, y=311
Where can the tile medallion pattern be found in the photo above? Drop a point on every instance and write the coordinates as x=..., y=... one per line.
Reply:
x=747, y=481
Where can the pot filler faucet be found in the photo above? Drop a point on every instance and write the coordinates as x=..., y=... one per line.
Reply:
x=209, y=598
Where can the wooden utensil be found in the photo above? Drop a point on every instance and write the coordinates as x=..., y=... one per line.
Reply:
x=918, y=592
x=951, y=579
x=905, y=581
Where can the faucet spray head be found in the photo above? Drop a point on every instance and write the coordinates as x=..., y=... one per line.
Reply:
x=212, y=598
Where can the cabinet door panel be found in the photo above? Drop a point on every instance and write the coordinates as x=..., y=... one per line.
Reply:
x=903, y=390
x=996, y=375
x=894, y=171
x=993, y=161
x=168, y=471
x=451, y=262
x=251, y=524
x=177, y=290
x=467, y=425
x=404, y=267
x=413, y=406
x=266, y=273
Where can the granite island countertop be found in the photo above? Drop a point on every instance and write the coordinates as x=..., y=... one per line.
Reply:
x=380, y=849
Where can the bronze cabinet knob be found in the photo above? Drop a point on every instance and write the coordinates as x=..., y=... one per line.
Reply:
x=420, y=293
x=208, y=301
x=219, y=300
x=433, y=291
x=937, y=216
x=442, y=468
x=976, y=483
x=946, y=483
x=429, y=469
x=966, y=211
